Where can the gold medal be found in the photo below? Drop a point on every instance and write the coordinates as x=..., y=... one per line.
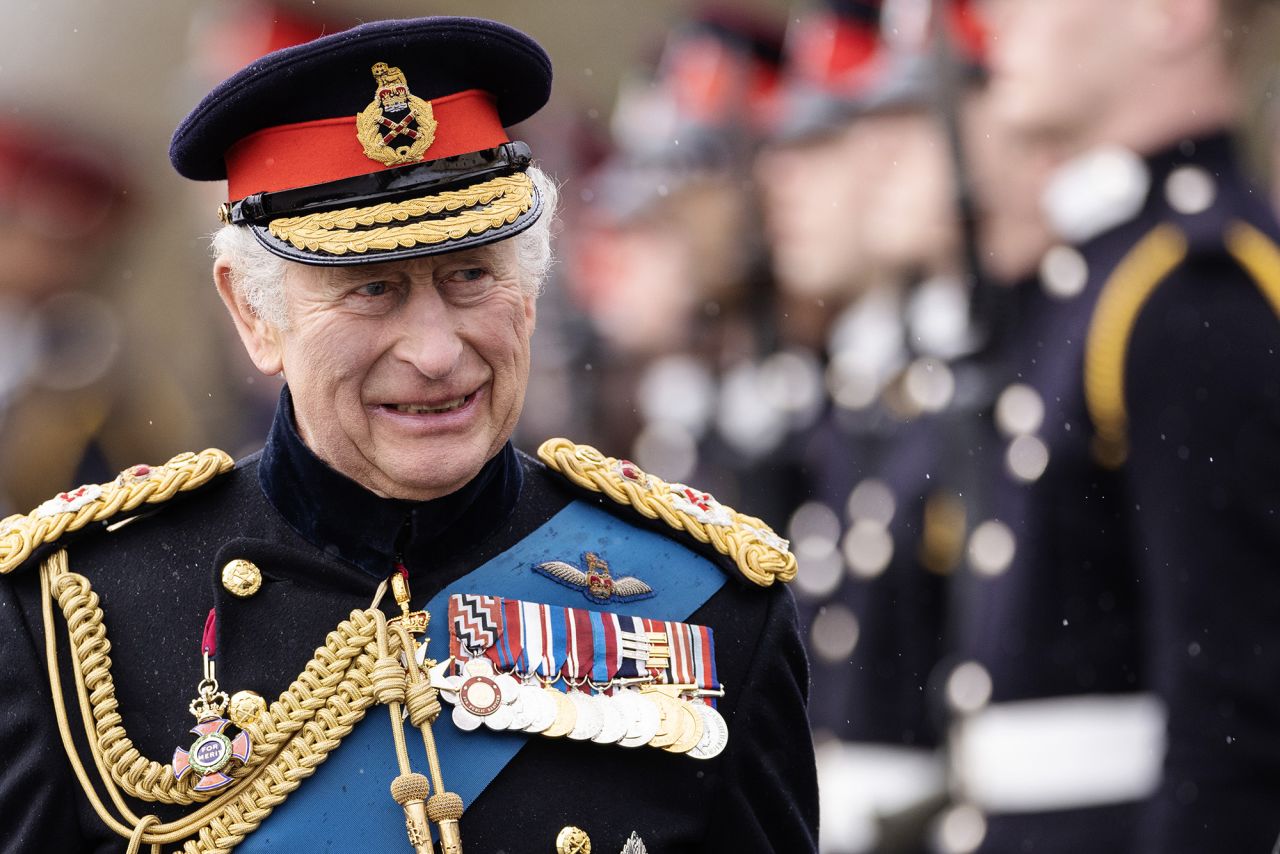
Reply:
x=673, y=722
x=692, y=732
x=566, y=715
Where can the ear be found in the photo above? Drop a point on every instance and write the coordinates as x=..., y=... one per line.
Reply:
x=261, y=340
x=1175, y=27
x=531, y=312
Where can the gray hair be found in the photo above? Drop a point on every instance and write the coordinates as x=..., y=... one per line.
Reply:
x=258, y=275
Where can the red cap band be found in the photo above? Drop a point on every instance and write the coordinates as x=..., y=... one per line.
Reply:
x=832, y=52
x=286, y=157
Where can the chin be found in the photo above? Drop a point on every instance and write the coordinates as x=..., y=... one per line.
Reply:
x=423, y=476
x=419, y=485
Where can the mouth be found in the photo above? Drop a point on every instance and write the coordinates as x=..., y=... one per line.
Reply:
x=432, y=407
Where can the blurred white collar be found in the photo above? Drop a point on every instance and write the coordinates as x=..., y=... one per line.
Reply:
x=1095, y=192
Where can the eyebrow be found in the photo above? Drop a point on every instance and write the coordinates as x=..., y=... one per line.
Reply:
x=346, y=274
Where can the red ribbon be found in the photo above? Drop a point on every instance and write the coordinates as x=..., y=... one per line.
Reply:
x=209, y=641
x=579, y=643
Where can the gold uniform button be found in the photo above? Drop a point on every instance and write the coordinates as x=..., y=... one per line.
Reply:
x=573, y=840
x=245, y=707
x=241, y=578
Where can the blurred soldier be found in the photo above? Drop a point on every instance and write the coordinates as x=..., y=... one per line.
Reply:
x=62, y=205
x=1119, y=632
x=670, y=264
x=860, y=190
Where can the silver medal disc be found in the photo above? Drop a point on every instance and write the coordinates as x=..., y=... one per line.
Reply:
x=544, y=708
x=464, y=720
x=613, y=725
x=521, y=711
x=645, y=720
x=715, y=733
x=589, y=720
x=628, y=703
x=502, y=718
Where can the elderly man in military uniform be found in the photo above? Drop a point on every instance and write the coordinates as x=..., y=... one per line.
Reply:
x=390, y=630
x=1119, y=639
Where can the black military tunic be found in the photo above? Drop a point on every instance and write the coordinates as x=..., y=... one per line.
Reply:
x=323, y=544
x=881, y=693
x=1143, y=560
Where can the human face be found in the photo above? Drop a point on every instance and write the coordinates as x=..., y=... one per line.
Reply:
x=637, y=285
x=408, y=376
x=810, y=199
x=1057, y=64
x=911, y=218
x=815, y=198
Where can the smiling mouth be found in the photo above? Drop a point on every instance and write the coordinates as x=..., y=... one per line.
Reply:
x=423, y=409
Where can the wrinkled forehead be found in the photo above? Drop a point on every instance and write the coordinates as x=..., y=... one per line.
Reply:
x=1078, y=15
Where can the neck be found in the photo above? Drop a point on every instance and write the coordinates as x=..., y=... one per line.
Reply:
x=1195, y=97
x=373, y=532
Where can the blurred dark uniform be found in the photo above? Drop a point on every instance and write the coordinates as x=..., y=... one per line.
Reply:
x=1118, y=647
x=883, y=526
x=283, y=549
x=705, y=394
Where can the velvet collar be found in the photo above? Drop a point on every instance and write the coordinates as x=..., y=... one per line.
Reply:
x=338, y=515
x=1215, y=152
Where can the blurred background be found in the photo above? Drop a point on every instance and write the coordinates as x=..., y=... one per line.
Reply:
x=98, y=88
x=793, y=236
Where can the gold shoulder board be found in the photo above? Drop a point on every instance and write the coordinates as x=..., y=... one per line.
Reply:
x=71, y=511
x=760, y=554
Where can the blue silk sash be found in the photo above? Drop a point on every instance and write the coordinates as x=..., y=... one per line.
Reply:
x=346, y=805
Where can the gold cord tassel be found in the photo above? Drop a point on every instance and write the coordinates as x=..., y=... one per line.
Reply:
x=410, y=790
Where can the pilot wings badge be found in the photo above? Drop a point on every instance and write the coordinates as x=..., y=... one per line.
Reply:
x=597, y=582
x=397, y=127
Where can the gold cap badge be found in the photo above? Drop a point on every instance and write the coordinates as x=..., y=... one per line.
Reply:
x=397, y=127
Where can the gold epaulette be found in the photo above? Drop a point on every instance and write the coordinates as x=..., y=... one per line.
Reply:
x=761, y=555
x=71, y=511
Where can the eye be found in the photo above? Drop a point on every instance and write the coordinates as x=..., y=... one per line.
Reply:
x=373, y=289
x=471, y=274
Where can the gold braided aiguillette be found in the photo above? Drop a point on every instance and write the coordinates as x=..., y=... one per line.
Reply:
x=296, y=734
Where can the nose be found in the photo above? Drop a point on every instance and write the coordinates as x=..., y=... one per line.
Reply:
x=429, y=336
